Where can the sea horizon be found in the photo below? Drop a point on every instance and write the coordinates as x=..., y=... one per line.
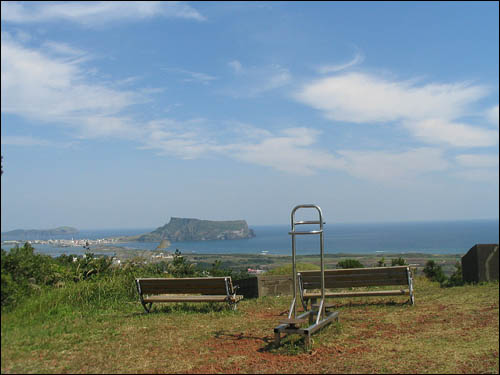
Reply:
x=437, y=237
x=151, y=228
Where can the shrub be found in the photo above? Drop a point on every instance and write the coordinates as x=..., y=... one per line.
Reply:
x=434, y=272
x=180, y=267
x=398, y=262
x=381, y=263
x=456, y=277
x=23, y=272
x=349, y=263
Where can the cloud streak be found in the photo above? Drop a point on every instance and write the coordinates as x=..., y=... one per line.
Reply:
x=428, y=110
x=96, y=13
x=55, y=90
x=252, y=81
x=358, y=59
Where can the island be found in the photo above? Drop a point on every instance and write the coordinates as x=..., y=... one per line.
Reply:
x=185, y=229
x=32, y=234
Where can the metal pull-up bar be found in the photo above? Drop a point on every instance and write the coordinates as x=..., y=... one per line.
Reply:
x=293, y=233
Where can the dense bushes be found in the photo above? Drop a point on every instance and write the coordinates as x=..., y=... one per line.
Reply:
x=434, y=272
x=349, y=263
x=87, y=279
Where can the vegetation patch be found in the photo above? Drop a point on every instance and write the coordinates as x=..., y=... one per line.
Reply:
x=92, y=322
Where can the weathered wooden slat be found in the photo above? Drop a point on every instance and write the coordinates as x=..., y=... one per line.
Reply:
x=185, y=291
x=353, y=278
x=210, y=289
x=180, y=278
x=345, y=278
x=354, y=283
x=180, y=282
x=346, y=275
x=358, y=270
x=177, y=298
x=207, y=285
x=308, y=295
x=162, y=298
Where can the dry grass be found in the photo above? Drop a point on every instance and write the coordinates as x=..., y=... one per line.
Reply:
x=451, y=330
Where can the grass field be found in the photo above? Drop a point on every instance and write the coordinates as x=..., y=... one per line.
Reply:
x=449, y=330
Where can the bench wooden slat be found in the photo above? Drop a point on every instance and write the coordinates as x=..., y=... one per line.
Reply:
x=203, y=289
x=209, y=285
x=341, y=271
x=161, y=290
x=353, y=283
x=177, y=298
x=357, y=294
x=342, y=278
x=356, y=277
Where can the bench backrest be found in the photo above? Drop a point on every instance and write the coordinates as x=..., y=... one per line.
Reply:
x=352, y=277
x=205, y=286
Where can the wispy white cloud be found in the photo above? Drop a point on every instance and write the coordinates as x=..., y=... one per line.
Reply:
x=235, y=65
x=479, y=175
x=394, y=167
x=12, y=140
x=95, y=13
x=29, y=141
x=292, y=150
x=186, y=140
x=62, y=49
x=478, y=160
x=492, y=115
x=359, y=97
x=55, y=90
x=357, y=59
x=427, y=110
x=287, y=152
x=252, y=80
x=193, y=76
x=451, y=133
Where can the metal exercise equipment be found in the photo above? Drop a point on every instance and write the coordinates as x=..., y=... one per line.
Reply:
x=318, y=315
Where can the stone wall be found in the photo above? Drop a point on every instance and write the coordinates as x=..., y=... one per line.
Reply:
x=480, y=263
x=261, y=286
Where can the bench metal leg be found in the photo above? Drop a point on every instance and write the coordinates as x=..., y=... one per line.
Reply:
x=148, y=309
x=277, y=338
x=307, y=340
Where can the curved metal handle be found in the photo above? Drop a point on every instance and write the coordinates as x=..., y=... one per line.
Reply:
x=320, y=222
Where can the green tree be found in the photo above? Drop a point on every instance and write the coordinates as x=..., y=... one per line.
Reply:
x=434, y=272
x=180, y=267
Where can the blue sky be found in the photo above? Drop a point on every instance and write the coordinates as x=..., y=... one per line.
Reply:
x=121, y=115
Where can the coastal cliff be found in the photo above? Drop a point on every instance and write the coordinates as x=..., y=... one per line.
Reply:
x=183, y=229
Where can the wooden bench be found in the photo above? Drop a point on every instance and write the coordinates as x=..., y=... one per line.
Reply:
x=194, y=289
x=310, y=282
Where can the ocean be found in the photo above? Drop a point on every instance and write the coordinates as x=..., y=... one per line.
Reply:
x=452, y=237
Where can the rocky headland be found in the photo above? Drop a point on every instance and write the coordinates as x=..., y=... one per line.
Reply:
x=33, y=234
x=185, y=229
